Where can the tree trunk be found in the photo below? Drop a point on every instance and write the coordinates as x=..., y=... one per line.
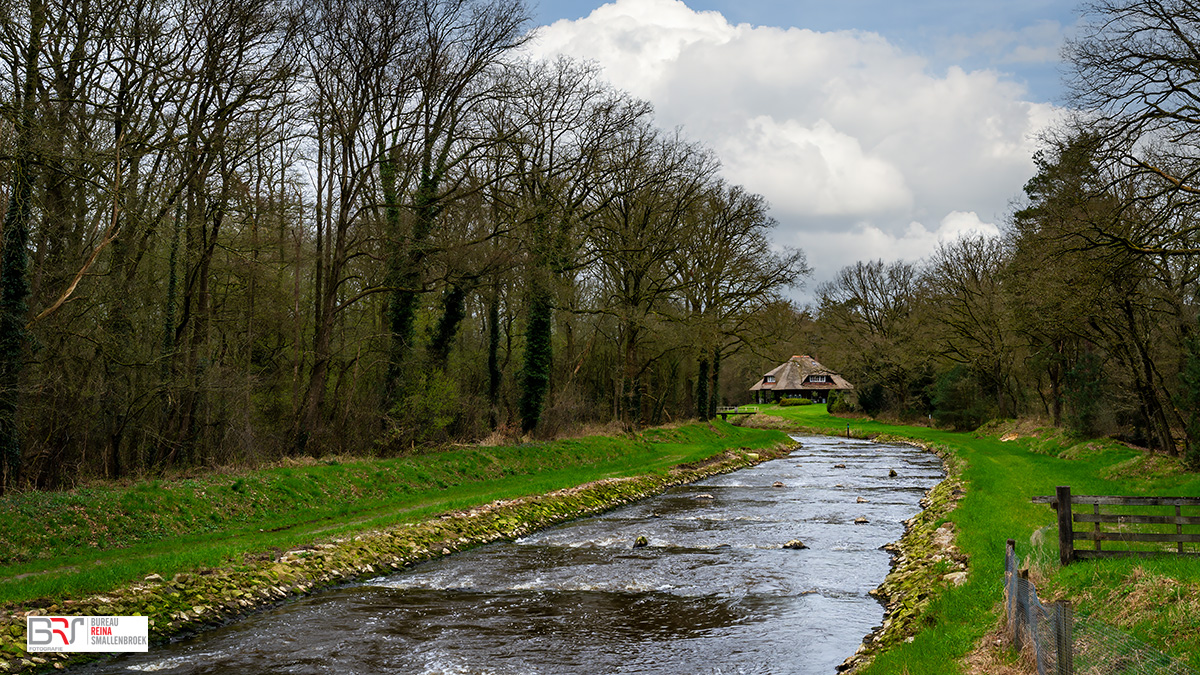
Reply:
x=493, y=356
x=1158, y=427
x=715, y=389
x=1056, y=376
x=407, y=284
x=453, y=312
x=539, y=354
x=14, y=281
x=631, y=382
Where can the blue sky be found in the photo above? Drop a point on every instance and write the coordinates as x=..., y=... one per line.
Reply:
x=875, y=129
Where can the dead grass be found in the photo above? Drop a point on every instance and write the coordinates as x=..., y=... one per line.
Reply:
x=994, y=656
x=1086, y=450
x=1145, y=467
x=762, y=421
x=1034, y=427
x=1144, y=597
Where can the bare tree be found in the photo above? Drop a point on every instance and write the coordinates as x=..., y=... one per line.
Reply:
x=657, y=181
x=1135, y=79
x=965, y=281
x=14, y=283
x=565, y=121
x=459, y=46
x=730, y=273
x=359, y=60
x=871, y=315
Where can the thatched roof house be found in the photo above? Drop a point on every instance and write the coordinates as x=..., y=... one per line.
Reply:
x=799, y=377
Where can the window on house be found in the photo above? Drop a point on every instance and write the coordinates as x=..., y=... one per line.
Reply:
x=817, y=378
x=770, y=379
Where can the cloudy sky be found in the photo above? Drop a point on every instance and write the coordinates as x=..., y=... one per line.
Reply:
x=875, y=128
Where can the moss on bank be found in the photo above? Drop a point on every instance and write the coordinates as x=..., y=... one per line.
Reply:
x=191, y=602
x=925, y=562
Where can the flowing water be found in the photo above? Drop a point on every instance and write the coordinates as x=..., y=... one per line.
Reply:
x=713, y=592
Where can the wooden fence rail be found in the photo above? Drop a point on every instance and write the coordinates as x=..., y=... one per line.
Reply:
x=1068, y=535
x=726, y=410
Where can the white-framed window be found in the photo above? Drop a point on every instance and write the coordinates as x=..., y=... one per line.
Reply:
x=817, y=378
x=770, y=379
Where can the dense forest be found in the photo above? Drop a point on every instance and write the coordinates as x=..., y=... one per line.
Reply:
x=242, y=229
x=237, y=230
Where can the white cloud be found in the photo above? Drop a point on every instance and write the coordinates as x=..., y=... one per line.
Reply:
x=958, y=224
x=865, y=241
x=862, y=151
x=814, y=171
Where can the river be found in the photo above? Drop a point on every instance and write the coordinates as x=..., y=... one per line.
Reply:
x=713, y=592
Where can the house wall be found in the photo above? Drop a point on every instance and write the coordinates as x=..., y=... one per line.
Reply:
x=772, y=396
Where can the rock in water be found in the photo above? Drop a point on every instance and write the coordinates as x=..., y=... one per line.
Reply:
x=839, y=466
x=891, y=473
x=795, y=544
x=777, y=484
x=861, y=521
x=861, y=500
x=641, y=542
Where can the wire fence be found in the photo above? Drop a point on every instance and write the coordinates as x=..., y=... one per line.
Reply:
x=1061, y=643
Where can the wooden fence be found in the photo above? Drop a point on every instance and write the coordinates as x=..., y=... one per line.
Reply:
x=726, y=410
x=1120, y=529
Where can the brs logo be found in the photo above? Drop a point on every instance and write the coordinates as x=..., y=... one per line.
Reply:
x=44, y=629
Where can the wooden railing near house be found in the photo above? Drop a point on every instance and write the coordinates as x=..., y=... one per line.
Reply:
x=1141, y=520
x=726, y=410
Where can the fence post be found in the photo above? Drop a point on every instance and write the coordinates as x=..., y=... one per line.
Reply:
x=1030, y=599
x=1063, y=639
x=1010, y=585
x=1066, y=528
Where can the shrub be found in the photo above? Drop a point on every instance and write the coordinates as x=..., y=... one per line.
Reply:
x=794, y=401
x=958, y=400
x=1084, y=393
x=840, y=402
x=1188, y=399
x=872, y=398
x=422, y=417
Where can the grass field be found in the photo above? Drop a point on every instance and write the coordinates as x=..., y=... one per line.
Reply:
x=58, y=545
x=1156, y=600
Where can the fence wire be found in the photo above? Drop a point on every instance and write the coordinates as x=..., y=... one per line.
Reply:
x=1060, y=643
x=1104, y=650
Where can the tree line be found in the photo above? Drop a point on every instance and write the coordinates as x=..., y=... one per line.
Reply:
x=1084, y=310
x=236, y=230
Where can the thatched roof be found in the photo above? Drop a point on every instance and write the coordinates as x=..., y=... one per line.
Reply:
x=793, y=375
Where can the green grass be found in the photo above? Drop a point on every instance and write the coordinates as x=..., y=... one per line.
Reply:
x=1001, y=477
x=60, y=545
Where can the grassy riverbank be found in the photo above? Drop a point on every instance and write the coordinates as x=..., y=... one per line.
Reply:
x=60, y=545
x=289, y=531
x=1156, y=600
